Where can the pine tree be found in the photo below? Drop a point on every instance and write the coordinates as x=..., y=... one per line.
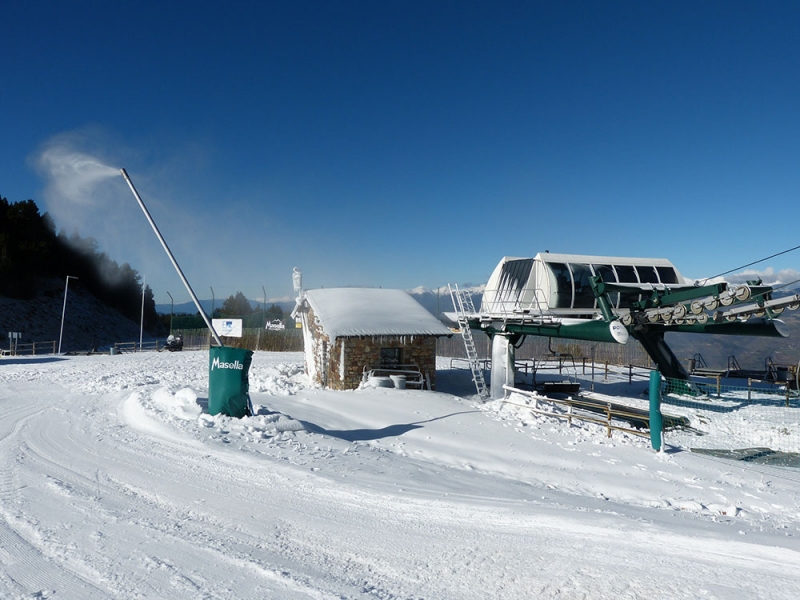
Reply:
x=236, y=306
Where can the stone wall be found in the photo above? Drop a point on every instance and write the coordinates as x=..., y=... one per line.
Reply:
x=360, y=352
x=318, y=351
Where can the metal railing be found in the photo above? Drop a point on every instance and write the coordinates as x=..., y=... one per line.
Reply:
x=150, y=346
x=508, y=306
x=31, y=349
x=606, y=414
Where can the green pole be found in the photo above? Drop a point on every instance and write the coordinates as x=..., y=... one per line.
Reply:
x=656, y=419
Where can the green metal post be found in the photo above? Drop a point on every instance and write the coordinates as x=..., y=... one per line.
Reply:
x=656, y=419
x=598, y=288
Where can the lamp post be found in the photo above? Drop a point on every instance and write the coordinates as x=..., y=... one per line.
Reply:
x=63, y=311
x=141, y=321
x=264, y=308
x=171, y=311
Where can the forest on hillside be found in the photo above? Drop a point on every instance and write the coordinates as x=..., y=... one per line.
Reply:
x=33, y=252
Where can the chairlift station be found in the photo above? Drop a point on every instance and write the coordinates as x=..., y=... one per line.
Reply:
x=608, y=299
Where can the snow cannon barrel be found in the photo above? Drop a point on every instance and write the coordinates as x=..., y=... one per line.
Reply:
x=228, y=384
x=171, y=257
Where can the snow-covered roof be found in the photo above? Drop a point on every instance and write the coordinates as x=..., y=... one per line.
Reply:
x=348, y=312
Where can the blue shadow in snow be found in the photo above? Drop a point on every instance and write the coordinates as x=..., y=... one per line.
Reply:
x=363, y=435
x=27, y=361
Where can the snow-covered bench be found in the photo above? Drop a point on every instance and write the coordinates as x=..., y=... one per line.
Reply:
x=414, y=377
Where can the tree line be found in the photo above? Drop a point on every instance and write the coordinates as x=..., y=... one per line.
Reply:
x=235, y=306
x=32, y=251
x=239, y=306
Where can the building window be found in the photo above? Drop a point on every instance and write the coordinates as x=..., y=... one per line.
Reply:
x=606, y=273
x=647, y=274
x=563, y=286
x=584, y=296
x=667, y=275
x=627, y=274
x=390, y=357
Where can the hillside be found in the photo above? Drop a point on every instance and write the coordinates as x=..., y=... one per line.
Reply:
x=750, y=352
x=88, y=323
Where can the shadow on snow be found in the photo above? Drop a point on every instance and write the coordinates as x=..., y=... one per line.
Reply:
x=363, y=435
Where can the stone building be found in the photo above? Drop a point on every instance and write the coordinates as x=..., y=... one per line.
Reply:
x=350, y=333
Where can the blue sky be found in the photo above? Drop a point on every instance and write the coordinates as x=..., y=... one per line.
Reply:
x=404, y=144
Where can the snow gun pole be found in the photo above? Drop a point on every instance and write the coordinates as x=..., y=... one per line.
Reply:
x=171, y=258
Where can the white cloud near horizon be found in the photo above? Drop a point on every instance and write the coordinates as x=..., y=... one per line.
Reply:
x=768, y=276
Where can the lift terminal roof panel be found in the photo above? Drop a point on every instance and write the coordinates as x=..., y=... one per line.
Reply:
x=560, y=282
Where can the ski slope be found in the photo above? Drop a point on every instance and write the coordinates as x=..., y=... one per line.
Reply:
x=116, y=483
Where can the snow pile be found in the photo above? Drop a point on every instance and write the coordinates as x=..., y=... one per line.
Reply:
x=282, y=378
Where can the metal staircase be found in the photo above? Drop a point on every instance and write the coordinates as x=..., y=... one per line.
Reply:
x=462, y=304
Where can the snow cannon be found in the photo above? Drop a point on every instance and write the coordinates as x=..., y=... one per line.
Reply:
x=228, y=385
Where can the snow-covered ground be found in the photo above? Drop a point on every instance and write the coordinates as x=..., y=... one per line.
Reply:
x=117, y=483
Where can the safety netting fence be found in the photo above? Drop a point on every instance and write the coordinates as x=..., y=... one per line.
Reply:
x=288, y=340
x=754, y=420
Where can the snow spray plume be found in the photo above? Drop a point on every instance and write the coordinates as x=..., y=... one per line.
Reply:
x=81, y=196
x=73, y=175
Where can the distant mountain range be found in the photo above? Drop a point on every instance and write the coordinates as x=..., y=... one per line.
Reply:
x=715, y=350
x=435, y=301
